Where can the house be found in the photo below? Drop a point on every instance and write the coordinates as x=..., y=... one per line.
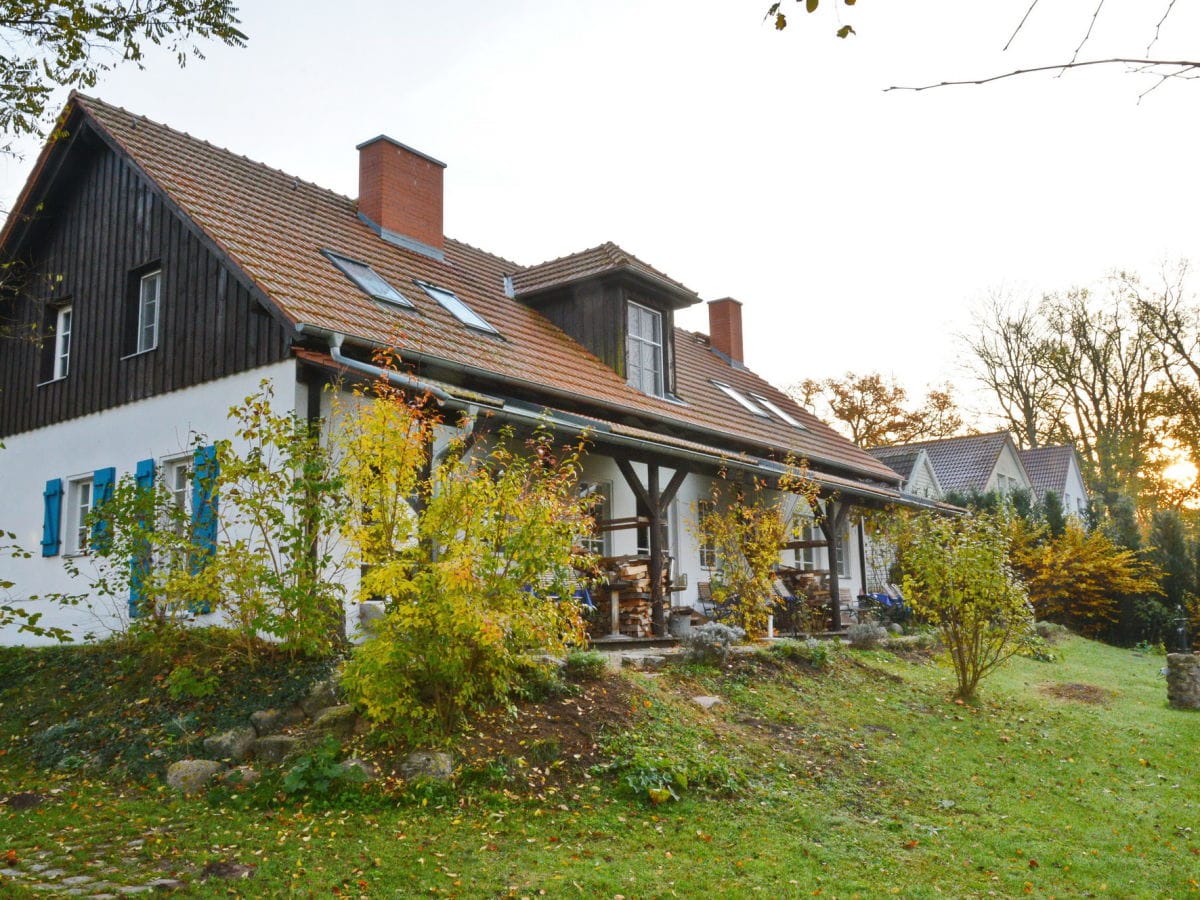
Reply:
x=168, y=277
x=1057, y=470
x=973, y=464
x=915, y=467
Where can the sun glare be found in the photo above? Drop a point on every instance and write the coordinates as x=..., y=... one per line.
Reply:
x=1182, y=472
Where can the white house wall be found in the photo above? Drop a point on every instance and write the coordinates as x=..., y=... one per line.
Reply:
x=160, y=427
x=1008, y=464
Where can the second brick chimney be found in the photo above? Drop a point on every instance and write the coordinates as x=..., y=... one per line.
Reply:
x=725, y=327
x=400, y=191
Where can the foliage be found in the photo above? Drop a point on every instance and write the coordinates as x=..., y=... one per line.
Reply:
x=69, y=43
x=586, y=665
x=810, y=652
x=475, y=579
x=1080, y=579
x=319, y=773
x=874, y=409
x=186, y=683
x=712, y=641
x=744, y=524
x=1171, y=552
x=277, y=567
x=957, y=577
x=866, y=635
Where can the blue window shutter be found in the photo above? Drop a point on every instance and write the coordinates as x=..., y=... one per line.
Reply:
x=52, y=517
x=103, y=481
x=206, y=468
x=139, y=562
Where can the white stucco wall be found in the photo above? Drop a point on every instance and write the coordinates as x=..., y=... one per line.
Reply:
x=160, y=427
x=1075, y=495
x=1008, y=464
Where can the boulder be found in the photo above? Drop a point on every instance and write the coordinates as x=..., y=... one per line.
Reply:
x=273, y=721
x=338, y=721
x=235, y=744
x=706, y=702
x=240, y=775
x=369, y=771
x=192, y=775
x=321, y=695
x=275, y=748
x=427, y=764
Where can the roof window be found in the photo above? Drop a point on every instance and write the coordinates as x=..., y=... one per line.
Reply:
x=741, y=398
x=450, y=302
x=783, y=414
x=368, y=280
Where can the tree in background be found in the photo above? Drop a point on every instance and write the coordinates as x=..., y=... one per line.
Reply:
x=70, y=43
x=875, y=412
x=957, y=576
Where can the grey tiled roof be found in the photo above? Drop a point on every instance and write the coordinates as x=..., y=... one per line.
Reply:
x=962, y=463
x=1047, y=467
x=899, y=459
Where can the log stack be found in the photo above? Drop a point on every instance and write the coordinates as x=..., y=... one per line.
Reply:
x=628, y=583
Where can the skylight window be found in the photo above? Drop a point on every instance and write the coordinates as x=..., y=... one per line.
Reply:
x=779, y=411
x=741, y=398
x=457, y=308
x=370, y=281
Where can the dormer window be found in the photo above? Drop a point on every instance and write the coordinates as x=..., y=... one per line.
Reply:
x=644, y=350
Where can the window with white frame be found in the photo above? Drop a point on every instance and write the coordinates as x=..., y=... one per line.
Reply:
x=843, y=553
x=79, y=506
x=708, y=550
x=598, y=495
x=62, y=342
x=644, y=350
x=806, y=529
x=643, y=531
x=149, y=296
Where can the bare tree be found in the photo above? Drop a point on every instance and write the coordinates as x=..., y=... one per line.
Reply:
x=1011, y=359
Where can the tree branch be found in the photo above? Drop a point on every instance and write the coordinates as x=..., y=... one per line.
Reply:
x=1183, y=65
x=1020, y=25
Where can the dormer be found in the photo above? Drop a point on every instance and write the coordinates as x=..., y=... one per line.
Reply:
x=615, y=305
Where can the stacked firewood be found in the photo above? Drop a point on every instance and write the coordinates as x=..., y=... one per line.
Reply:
x=628, y=583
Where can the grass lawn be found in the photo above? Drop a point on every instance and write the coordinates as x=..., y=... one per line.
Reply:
x=1068, y=779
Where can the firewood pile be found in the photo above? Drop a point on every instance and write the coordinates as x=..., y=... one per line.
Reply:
x=627, y=579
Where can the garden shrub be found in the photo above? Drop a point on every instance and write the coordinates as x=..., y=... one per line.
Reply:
x=866, y=635
x=320, y=773
x=586, y=665
x=711, y=642
x=810, y=652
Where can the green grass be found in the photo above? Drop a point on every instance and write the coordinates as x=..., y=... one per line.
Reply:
x=861, y=780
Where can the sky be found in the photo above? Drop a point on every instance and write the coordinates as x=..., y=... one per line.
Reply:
x=859, y=227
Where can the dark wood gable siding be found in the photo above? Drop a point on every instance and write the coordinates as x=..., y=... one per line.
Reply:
x=593, y=312
x=102, y=224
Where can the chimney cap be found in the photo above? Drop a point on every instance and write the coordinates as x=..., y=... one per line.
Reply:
x=396, y=143
x=725, y=300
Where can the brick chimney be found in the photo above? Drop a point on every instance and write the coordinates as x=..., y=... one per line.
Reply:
x=400, y=191
x=725, y=327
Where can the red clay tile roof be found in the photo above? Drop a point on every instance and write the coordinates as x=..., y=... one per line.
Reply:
x=608, y=257
x=274, y=226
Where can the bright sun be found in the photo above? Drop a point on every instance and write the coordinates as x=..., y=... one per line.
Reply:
x=1182, y=472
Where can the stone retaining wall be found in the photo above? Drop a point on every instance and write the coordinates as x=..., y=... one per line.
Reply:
x=1183, y=680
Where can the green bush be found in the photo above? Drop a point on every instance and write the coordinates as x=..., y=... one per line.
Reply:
x=586, y=665
x=810, y=652
x=320, y=773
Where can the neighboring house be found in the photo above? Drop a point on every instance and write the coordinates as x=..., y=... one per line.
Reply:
x=915, y=467
x=977, y=463
x=1057, y=470
x=168, y=277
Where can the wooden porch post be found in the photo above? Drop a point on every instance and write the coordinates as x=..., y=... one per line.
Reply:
x=831, y=525
x=656, y=501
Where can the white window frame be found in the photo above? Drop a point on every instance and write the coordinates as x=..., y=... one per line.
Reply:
x=148, y=311
x=843, y=556
x=367, y=280
x=734, y=394
x=708, y=551
x=454, y=305
x=81, y=498
x=600, y=492
x=775, y=408
x=64, y=321
x=634, y=339
x=807, y=558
